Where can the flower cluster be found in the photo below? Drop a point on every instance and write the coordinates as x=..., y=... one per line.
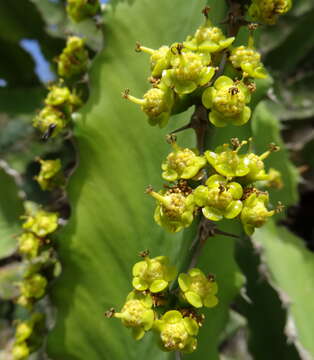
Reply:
x=182, y=71
x=60, y=103
x=34, y=247
x=41, y=265
x=28, y=336
x=50, y=175
x=172, y=315
x=79, y=10
x=268, y=11
x=228, y=192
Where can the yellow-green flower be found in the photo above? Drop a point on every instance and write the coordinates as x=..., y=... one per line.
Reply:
x=197, y=289
x=227, y=161
x=248, y=60
x=24, y=329
x=182, y=164
x=219, y=198
x=156, y=104
x=41, y=223
x=188, y=71
x=227, y=100
x=137, y=314
x=254, y=213
x=61, y=97
x=29, y=244
x=177, y=333
x=50, y=175
x=20, y=351
x=73, y=60
x=208, y=38
x=256, y=166
x=153, y=274
x=79, y=10
x=50, y=119
x=274, y=179
x=268, y=11
x=159, y=60
x=175, y=210
x=33, y=286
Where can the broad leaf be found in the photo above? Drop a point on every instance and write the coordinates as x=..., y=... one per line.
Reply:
x=291, y=271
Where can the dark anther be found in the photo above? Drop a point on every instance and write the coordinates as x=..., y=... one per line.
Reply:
x=138, y=47
x=235, y=142
x=206, y=11
x=144, y=253
x=171, y=138
x=125, y=94
x=233, y=90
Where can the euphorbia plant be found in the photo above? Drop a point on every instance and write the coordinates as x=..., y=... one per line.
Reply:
x=206, y=185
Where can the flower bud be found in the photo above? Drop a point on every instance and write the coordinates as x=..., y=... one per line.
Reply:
x=177, y=333
x=248, y=60
x=156, y=104
x=73, y=59
x=208, y=38
x=137, y=314
x=254, y=213
x=29, y=244
x=175, y=209
x=227, y=162
x=153, y=274
x=50, y=175
x=61, y=97
x=159, y=60
x=41, y=223
x=227, y=100
x=197, y=289
x=219, y=198
x=20, y=351
x=182, y=164
x=79, y=10
x=274, y=179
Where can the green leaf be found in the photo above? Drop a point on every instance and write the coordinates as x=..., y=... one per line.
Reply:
x=10, y=211
x=262, y=308
x=291, y=271
x=112, y=218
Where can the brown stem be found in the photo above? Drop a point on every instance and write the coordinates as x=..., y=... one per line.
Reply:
x=199, y=122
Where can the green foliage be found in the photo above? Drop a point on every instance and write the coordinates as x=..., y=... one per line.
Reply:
x=10, y=211
x=281, y=250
